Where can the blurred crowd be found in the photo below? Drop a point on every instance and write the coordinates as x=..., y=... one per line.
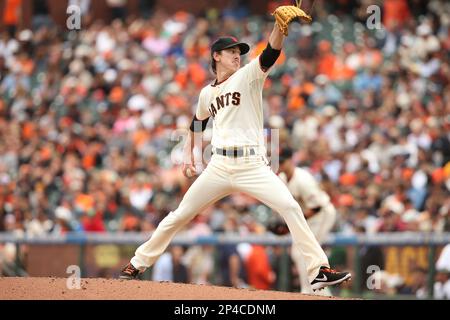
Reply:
x=92, y=121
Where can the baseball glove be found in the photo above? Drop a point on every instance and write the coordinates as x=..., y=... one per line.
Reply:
x=284, y=15
x=278, y=227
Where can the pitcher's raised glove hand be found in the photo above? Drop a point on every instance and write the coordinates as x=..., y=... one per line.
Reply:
x=284, y=15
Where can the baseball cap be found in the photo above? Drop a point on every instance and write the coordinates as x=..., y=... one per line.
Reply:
x=228, y=42
x=285, y=154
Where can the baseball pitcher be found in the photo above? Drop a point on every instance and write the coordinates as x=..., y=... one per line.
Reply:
x=238, y=163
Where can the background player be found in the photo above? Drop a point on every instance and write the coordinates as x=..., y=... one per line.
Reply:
x=239, y=163
x=317, y=208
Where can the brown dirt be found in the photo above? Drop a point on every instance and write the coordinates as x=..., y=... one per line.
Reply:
x=107, y=289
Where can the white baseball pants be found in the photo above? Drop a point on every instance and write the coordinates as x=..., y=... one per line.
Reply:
x=223, y=176
x=320, y=225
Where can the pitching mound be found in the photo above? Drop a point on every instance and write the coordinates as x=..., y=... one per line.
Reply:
x=107, y=289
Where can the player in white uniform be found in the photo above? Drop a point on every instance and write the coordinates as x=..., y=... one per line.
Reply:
x=239, y=162
x=319, y=211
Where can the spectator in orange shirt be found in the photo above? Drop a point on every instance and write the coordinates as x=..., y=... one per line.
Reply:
x=257, y=265
x=12, y=15
x=396, y=12
x=259, y=272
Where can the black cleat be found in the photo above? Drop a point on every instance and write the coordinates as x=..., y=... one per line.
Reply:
x=329, y=277
x=129, y=272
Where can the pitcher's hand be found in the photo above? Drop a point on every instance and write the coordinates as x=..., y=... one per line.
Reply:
x=189, y=170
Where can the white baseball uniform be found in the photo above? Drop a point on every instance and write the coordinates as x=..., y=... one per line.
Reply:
x=236, y=108
x=307, y=191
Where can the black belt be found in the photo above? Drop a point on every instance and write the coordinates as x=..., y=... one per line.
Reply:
x=234, y=152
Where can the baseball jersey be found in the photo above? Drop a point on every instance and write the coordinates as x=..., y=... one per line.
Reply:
x=236, y=107
x=305, y=189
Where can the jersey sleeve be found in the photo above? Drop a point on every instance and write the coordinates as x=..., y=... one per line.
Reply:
x=254, y=70
x=311, y=193
x=202, y=109
x=282, y=176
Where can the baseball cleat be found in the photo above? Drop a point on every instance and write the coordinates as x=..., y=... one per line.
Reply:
x=129, y=272
x=329, y=277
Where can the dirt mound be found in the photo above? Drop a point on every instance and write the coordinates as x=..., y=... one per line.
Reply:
x=108, y=289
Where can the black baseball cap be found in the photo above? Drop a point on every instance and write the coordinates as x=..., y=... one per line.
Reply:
x=228, y=42
x=285, y=154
